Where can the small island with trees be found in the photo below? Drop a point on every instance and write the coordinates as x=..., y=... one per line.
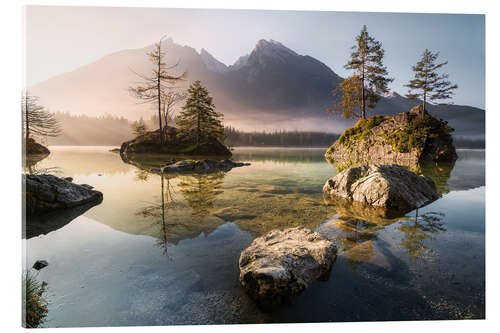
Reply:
x=409, y=138
x=199, y=130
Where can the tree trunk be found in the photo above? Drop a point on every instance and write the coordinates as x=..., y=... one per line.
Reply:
x=198, y=130
x=165, y=113
x=423, y=106
x=159, y=93
x=363, y=114
x=26, y=115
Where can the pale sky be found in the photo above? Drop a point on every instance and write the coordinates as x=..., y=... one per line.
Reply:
x=60, y=39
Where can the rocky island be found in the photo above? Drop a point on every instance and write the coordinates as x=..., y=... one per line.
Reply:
x=408, y=138
x=149, y=143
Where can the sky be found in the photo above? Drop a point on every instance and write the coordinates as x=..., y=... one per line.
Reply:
x=61, y=39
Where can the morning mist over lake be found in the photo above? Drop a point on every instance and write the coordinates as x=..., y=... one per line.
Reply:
x=211, y=166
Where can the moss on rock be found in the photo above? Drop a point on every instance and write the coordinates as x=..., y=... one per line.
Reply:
x=409, y=138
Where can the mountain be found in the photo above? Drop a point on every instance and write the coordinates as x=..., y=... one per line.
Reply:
x=272, y=87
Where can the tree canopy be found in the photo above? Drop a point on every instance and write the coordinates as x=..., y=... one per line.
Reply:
x=199, y=120
x=370, y=78
x=427, y=83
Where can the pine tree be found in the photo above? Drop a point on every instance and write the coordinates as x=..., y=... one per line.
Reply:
x=429, y=85
x=362, y=89
x=139, y=127
x=198, y=119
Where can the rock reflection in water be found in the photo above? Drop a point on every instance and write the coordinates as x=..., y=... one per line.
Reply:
x=354, y=238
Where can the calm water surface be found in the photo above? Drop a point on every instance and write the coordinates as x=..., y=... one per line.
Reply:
x=165, y=250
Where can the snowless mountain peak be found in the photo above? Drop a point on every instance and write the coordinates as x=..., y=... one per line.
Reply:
x=211, y=63
x=272, y=48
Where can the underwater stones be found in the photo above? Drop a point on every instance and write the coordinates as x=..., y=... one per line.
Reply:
x=281, y=264
x=45, y=193
x=390, y=187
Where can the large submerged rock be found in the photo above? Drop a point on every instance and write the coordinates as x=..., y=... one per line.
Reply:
x=281, y=264
x=201, y=166
x=46, y=193
x=391, y=187
x=409, y=138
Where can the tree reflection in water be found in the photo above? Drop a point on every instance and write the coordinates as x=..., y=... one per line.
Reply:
x=200, y=192
x=158, y=211
x=31, y=165
x=357, y=237
x=419, y=230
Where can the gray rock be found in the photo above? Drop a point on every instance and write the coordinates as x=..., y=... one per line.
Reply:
x=39, y=264
x=69, y=179
x=198, y=166
x=281, y=264
x=391, y=187
x=375, y=149
x=45, y=193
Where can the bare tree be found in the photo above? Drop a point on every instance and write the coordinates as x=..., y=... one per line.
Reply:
x=170, y=99
x=37, y=120
x=155, y=86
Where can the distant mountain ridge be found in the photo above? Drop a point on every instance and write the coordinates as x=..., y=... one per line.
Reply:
x=272, y=87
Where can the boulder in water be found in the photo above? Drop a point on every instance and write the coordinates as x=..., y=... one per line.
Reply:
x=281, y=264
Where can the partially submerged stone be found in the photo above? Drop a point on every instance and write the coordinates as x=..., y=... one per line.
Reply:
x=39, y=264
x=46, y=193
x=198, y=166
x=391, y=187
x=281, y=264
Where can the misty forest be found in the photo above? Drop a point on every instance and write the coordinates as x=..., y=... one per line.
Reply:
x=271, y=190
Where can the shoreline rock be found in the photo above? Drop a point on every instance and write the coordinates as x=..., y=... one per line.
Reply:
x=46, y=193
x=281, y=264
x=390, y=187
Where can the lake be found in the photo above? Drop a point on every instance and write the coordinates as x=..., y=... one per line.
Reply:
x=164, y=250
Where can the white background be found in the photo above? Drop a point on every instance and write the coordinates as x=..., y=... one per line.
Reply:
x=11, y=80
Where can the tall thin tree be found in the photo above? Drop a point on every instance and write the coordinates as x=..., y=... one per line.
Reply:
x=155, y=86
x=370, y=76
x=427, y=83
